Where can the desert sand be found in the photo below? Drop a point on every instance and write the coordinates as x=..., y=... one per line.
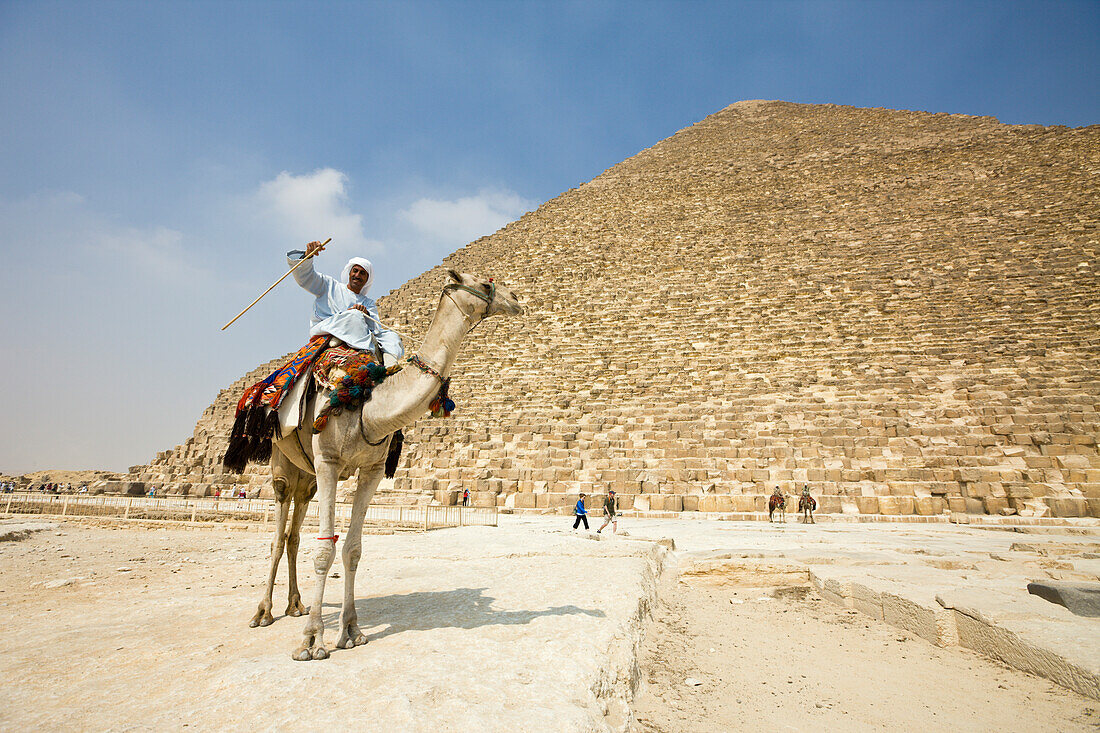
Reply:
x=523, y=627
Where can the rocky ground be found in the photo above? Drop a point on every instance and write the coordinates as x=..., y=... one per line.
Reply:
x=735, y=657
x=60, y=476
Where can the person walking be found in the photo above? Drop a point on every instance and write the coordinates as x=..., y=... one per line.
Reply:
x=465, y=497
x=610, y=515
x=581, y=512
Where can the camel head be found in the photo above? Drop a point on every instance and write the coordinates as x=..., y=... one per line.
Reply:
x=479, y=298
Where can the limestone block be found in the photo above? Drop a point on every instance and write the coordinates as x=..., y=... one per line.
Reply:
x=642, y=502
x=674, y=503
x=976, y=490
x=743, y=503
x=132, y=488
x=914, y=618
x=707, y=503
x=994, y=504
x=867, y=504
x=837, y=591
x=690, y=503
x=974, y=506
x=866, y=601
x=889, y=505
x=825, y=504
x=723, y=503
x=1067, y=506
x=657, y=502
x=523, y=500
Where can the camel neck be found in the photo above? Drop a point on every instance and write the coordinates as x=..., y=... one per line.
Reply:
x=440, y=346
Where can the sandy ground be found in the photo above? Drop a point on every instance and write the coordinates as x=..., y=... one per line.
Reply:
x=781, y=659
x=473, y=628
x=524, y=627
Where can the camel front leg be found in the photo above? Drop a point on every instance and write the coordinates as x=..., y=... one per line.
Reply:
x=263, y=615
x=294, y=605
x=313, y=643
x=350, y=635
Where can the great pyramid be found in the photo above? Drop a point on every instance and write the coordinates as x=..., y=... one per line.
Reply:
x=898, y=309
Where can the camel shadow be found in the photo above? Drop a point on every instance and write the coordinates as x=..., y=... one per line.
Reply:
x=461, y=608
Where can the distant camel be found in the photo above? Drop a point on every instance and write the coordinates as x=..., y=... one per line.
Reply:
x=360, y=439
x=777, y=503
x=806, y=505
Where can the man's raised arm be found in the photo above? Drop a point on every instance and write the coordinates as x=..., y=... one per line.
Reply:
x=305, y=275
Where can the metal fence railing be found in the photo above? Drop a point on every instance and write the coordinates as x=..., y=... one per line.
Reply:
x=209, y=509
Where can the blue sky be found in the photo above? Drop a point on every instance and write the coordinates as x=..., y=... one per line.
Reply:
x=157, y=158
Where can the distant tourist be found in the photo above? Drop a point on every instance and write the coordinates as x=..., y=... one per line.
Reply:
x=466, y=497
x=610, y=516
x=581, y=512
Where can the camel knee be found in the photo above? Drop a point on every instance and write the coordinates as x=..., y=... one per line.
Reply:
x=278, y=485
x=351, y=557
x=323, y=561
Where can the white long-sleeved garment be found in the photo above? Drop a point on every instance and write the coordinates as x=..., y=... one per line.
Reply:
x=331, y=314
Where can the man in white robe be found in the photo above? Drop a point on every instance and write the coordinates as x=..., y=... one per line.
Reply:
x=342, y=308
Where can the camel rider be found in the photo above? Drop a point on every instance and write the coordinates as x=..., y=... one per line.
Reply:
x=777, y=492
x=341, y=309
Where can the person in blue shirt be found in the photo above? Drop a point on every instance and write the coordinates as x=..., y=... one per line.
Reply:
x=581, y=512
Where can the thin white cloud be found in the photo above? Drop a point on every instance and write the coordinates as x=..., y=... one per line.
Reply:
x=465, y=219
x=63, y=224
x=159, y=250
x=314, y=206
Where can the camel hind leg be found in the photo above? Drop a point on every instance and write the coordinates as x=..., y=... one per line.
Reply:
x=294, y=605
x=290, y=484
x=280, y=486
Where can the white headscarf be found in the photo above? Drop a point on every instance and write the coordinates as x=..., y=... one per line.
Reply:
x=366, y=265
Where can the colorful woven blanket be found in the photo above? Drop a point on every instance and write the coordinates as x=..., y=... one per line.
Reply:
x=257, y=418
x=349, y=377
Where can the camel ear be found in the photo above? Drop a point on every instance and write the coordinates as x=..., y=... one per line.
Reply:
x=455, y=276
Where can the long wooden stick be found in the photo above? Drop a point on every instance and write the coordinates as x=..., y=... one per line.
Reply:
x=257, y=300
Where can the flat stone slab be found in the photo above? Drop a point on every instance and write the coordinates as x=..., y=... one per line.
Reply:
x=474, y=628
x=1082, y=599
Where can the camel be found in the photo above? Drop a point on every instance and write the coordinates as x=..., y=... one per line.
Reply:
x=777, y=503
x=806, y=505
x=303, y=464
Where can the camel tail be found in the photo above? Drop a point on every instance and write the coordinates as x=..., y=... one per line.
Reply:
x=394, y=456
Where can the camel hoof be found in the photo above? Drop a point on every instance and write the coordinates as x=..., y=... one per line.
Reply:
x=302, y=655
x=262, y=619
x=295, y=608
x=320, y=653
x=350, y=642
